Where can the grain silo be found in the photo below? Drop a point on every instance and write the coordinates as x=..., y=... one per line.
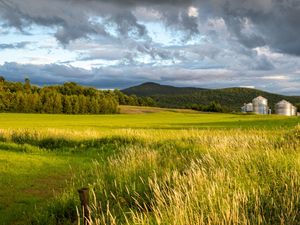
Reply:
x=294, y=111
x=247, y=107
x=285, y=108
x=260, y=105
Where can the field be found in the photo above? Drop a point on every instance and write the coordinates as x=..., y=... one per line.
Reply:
x=150, y=166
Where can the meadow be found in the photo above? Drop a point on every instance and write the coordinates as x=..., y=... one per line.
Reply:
x=150, y=166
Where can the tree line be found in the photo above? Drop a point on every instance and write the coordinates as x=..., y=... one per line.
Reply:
x=69, y=98
x=211, y=107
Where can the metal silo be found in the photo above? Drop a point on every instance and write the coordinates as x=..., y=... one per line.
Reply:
x=260, y=105
x=294, y=111
x=284, y=108
x=247, y=108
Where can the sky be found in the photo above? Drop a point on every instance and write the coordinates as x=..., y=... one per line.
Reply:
x=120, y=43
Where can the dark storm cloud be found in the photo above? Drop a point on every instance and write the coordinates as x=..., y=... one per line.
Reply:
x=127, y=23
x=274, y=22
x=178, y=19
x=58, y=74
x=250, y=40
x=44, y=74
x=133, y=3
x=71, y=19
x=238, y=42
x=18, y=45
x=125, y=76
x=74, y=19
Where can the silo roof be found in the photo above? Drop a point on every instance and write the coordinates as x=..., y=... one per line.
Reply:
x=283, y=102
x=260, y=98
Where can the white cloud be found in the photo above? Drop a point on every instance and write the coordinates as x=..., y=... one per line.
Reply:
x=245, y=86
x=193, y=11
x=275, y=77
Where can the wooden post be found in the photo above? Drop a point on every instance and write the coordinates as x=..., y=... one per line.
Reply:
x=84, y=200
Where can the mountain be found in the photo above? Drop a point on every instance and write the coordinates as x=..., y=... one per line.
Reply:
x=181, y=97
x=151, y=89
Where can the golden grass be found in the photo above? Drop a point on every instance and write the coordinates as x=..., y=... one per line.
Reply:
x=179, y=177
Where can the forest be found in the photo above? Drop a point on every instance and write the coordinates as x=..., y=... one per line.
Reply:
x=215, y=100
x=69, y=98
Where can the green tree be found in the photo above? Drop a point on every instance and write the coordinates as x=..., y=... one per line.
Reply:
x=48, y=103
x=213, y=107
x=2, y=104
x=35, y=102
x=120, y=96
x=94, y=105
x=298, y=107
x=2, y=79
x=67, y=105
x=20, y=102
x=75, y=104
x=68, y=98
x=28, y=107
x=82, y=100
x=57, y=104
x=27, y=85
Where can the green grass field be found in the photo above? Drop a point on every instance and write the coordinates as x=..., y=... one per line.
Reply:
x=150, y=166
x=150, y=120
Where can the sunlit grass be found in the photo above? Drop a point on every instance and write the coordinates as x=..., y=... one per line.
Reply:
x=158, y=168
x=160, y=120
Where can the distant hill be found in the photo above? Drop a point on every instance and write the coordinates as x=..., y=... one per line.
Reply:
x=181, y=97
x=151, y=89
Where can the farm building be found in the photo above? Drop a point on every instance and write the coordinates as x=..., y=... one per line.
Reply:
x=259, y=105
x=247, y=107
x=285, y=108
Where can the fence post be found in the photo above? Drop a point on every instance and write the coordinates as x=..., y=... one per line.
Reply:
x=84, y=200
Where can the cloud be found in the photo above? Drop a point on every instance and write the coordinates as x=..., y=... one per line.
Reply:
x=74, y=19
x=127, y=25
x=18, y=45
x=274, y=23
x=206, y=43
x=43, y=74
x=253, y=23
x=71, y=19
x=275, y=77
x=126, y=75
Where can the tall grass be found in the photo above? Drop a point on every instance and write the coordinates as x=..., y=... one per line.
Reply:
x=180, y=177
x=241, y=183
